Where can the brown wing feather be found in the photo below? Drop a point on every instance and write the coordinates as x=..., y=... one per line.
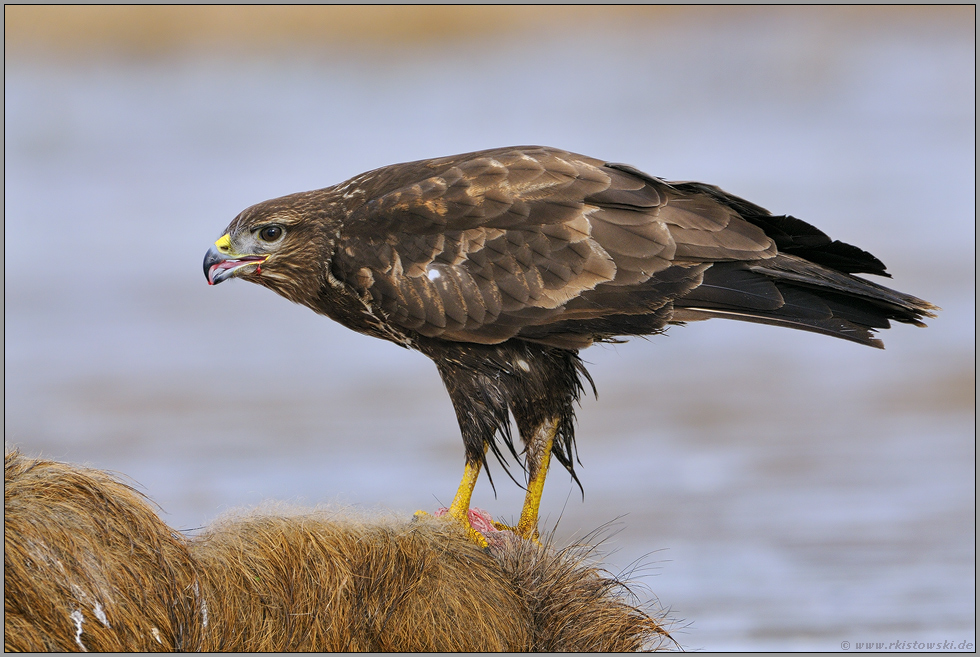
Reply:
x=507, y=243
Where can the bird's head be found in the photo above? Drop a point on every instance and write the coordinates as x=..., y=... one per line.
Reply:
x=280, y=244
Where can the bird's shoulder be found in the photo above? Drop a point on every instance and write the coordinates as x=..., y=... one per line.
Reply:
x=491, y=188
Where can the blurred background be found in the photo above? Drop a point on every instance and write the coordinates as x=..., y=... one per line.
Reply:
x=773, y=489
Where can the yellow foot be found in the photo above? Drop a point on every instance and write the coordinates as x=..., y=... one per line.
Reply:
x=466, y=522
x=530, y=534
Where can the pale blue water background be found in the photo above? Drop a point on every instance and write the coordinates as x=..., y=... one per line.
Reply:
x=783, y=490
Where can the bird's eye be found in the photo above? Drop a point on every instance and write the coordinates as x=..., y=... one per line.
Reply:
x=270, y=233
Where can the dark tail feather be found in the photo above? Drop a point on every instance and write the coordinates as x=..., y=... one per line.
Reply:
x=794, y=236
x=796, y=293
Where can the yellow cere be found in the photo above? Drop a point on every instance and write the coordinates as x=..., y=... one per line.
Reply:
x=224, y=244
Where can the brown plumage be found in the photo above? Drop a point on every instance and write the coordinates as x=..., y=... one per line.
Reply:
x=500, y=265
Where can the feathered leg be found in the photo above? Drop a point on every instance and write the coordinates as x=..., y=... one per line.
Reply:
x=543, y=407
x=489, y=383
x=481, y=410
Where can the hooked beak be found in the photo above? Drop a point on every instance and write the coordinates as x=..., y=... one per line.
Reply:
x=220, y=263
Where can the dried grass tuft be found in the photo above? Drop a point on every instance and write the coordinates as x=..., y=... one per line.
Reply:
x=81, y=545
x=577, y=606
x=317, y=582
x=88, y=565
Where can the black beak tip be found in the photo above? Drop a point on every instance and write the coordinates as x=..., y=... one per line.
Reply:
x=211, y=258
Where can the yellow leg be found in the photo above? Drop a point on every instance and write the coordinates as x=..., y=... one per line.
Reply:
x=527, y=526
x=460, y=507
x=461, y=503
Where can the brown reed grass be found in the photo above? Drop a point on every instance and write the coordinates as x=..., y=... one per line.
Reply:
x=133, y=30
x=89, y=565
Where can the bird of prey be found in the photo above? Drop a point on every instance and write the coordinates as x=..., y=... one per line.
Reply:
x=500, y=265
